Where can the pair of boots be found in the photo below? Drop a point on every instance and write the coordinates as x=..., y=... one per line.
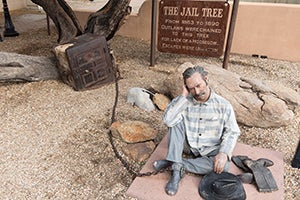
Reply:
x=177, y=174
x=256, y=171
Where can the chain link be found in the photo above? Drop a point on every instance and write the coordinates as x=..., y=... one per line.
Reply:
x=128, y=167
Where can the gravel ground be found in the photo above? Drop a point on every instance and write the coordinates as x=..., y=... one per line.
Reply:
x=54, y=142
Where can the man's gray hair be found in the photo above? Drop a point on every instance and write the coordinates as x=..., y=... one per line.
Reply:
x=191, y=70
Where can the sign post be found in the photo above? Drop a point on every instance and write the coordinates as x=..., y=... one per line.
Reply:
x=153, y=33
x=230, y=33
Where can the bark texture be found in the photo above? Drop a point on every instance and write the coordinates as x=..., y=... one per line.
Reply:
x=63, y=17
x=105, y=21
x=108, y=19
x=23, y=68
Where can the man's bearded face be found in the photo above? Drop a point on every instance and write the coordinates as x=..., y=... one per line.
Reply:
x=198, y=87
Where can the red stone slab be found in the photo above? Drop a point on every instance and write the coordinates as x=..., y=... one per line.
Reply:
x=149, y=188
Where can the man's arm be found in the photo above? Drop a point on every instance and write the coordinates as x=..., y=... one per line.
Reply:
x=229, y=140
x=172, y=115
x=231, y=133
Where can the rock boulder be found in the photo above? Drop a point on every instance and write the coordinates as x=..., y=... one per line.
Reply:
x=256, y=103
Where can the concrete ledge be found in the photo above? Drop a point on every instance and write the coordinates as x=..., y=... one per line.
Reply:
x=148, y=188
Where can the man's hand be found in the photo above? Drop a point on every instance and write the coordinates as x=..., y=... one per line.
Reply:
x=219, y=162
x=185, y=92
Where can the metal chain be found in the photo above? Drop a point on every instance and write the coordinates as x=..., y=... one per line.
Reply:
x=122, y=160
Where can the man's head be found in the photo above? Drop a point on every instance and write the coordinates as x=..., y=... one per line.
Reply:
x=196, y=81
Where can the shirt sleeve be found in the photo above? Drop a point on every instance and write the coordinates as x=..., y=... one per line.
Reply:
x=230, y=135
x=173, y=113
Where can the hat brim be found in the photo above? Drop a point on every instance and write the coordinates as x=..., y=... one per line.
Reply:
x=206, y=191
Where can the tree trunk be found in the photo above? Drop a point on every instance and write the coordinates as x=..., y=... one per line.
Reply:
x=63, y=17
x=108, y=19
x=22, y=68
x=105, y=21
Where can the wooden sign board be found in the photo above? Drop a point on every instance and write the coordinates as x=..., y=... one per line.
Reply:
x=192, y=27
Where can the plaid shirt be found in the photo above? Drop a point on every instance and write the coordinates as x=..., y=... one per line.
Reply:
x=209, y=126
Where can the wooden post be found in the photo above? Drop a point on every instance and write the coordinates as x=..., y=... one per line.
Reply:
x=230, y=33
x=153, y=33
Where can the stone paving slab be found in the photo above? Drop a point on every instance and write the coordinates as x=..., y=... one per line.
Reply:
x=149, y=188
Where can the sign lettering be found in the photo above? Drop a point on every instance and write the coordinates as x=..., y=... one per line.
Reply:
x=192, y=27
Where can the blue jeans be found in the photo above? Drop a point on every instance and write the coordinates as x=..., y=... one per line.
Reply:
x=178, y=144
